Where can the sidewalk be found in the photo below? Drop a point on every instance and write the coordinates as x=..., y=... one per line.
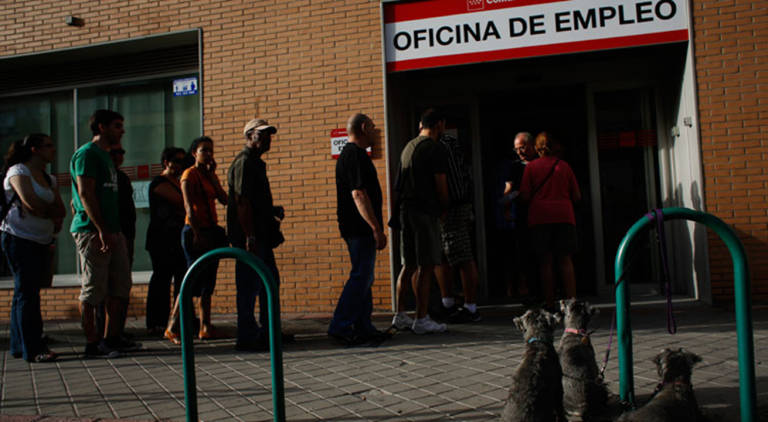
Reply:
x=462, y=375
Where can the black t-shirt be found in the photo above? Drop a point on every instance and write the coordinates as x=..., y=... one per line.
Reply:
x=165, y=219
x=355, y=170
x=127, y=209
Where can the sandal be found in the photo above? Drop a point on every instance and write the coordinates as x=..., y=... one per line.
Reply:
x=173, y=337
x=209, y=333
x=46, y=357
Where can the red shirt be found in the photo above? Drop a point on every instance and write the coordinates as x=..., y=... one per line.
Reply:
x=203, y=197
x=551, y=203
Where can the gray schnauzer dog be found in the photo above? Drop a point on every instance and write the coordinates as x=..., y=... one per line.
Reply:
x=584, y=394
x=536, y=394
x=673, y=400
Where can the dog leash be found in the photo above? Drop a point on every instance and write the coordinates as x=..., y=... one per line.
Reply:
x=658, y=215
x=608, y=349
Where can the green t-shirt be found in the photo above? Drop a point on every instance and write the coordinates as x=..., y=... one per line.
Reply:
x=421, y=159
x=91, y=161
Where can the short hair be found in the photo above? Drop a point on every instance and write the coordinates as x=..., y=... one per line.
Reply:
x=355, y=124
x=545, y=143
x=431, y=117
x=196, y=143
x=528, y=138
x=170, y=152
x=103, y=117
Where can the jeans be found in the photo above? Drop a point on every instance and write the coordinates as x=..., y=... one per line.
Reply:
x=249, y=285
x=24, y=257
x=353, y=312
x=167, y=264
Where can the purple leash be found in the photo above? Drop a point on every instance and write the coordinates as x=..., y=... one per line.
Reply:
x=608, y=350
x=658, y=215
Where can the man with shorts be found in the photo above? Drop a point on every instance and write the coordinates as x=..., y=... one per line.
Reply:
x=456, y=232
x=359, y=199
x=423, y=197
x=104, y=261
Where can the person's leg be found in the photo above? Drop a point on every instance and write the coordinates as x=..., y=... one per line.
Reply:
x=367, y=264
x=268, y=256
x=568, y=275
x=159, y=290
x=469, y=279
x=348, y=307
x=246, y=283
x=547, y=279
x=94, y=267
x=444, y=276
x=23, y=255
x=421, y=285
x=119, y=289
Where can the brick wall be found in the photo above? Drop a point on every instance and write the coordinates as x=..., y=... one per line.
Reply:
x=305, y=66
x=731, y=39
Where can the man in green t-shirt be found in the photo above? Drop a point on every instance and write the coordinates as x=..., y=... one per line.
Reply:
x=104, y=262
x=423, y=198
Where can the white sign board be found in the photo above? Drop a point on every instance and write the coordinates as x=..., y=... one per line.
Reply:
x=339, y=138
x=432, y=33
x=186, y=86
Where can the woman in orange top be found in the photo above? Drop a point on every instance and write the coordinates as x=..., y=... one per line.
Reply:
x=200, y=188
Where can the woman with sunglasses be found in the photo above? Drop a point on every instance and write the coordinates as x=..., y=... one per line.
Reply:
x=166, y=219
x=34, y=213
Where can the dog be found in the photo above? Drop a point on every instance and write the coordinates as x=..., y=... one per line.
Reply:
x=536, y=394
x=673, y=400
x=584, y=394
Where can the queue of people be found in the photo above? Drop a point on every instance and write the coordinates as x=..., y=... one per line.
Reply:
x=433, y=211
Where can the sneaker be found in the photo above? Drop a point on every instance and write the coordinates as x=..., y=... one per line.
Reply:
x=100, y=350
x=426, y=326
x=402, y=321
x=443, y=314
x=463, y=316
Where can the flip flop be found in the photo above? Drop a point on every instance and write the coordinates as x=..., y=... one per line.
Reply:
x=173, y=337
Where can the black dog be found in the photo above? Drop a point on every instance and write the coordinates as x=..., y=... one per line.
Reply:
x=673, y=400
x=536, y=394
x=584, y=394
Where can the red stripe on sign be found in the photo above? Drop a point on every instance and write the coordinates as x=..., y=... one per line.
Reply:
x=413, y=10
x=540, y=50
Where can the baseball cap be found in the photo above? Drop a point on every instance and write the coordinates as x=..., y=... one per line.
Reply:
x=259, y=125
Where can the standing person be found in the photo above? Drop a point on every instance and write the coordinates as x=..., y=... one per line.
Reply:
x=423, y=197
x=104, y=260
x=550, y=188
x=166, y=219
x=456, y=238
x=127, y=211
x=253, y=223
x=359, y=200
x=32, y=215
x=200, y=188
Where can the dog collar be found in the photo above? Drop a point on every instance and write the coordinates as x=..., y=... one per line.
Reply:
x=580, y=331
x=535, y=339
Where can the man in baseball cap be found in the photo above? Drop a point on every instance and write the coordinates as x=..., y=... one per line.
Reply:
x=253, y=223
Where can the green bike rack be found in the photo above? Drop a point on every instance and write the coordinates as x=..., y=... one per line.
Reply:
x=742, y=296
x=276, y=347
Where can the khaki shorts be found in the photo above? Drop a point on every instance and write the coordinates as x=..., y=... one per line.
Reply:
x=103, y=274
x=420, y=242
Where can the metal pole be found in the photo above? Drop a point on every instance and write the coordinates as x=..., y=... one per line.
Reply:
x=742, y=299
x=276, y=345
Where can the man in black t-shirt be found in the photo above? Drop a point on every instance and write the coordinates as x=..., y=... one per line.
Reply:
x=359, y=200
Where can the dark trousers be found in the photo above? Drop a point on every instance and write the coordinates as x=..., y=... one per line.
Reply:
x=167, y=264
x=24, y=259
x=249, y=285
x=353, y=311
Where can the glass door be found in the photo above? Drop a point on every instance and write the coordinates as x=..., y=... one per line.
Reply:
x=625, y=129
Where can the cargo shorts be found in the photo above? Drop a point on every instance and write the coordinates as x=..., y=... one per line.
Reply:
x=103, y=274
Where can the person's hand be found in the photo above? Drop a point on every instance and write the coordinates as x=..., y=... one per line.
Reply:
x=57, y=222
x=107, y=241
x=380, y=238
x=279, y=212
x=211, y=167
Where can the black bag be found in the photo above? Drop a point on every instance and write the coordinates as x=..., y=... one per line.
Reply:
x=275, y=235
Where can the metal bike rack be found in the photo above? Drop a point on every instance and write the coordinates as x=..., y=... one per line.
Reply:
x=742, y=296
x=276, y=346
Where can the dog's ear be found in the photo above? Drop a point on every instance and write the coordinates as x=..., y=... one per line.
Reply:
x=660, y=357
x=554, y=319
x=563, y=306
x=691, y=357
x=519, y=324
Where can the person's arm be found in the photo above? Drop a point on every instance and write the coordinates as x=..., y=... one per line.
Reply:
x=169, y=194
x=186, y=192
x=86, y=189
x=575, y=191
x=525, y=186
x=365, y=208
x=22, y=185
x=210, y=174
x=245, y=218
x=59, y=210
